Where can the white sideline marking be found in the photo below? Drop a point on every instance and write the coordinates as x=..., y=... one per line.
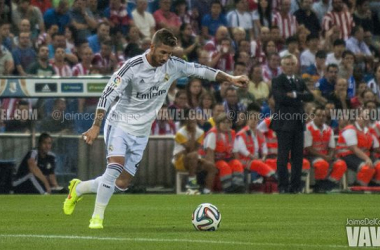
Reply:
x=165, y=240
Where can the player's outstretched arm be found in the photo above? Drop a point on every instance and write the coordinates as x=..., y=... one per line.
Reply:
x=202, y=71
x=238, y=81
x=90, y=135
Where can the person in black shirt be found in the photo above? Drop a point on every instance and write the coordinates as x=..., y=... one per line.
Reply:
x=36, y=171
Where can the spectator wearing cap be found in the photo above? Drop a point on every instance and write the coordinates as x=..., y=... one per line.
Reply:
x=58, y=16
x=143, y=19
x=305, y=16
x=317, y=70
x=357, y=45
x=335, y=56
x=307, y=57
x=291, y=47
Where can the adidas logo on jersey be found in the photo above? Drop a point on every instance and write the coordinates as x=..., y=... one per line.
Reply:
x=142, y=81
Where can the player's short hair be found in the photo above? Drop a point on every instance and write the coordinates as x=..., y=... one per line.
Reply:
x=164, y=36
x=42, y=138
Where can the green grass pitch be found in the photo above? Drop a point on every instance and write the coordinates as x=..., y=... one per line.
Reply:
x=164, y=222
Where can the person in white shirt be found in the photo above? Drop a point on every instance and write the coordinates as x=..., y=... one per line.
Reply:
x=240, y=17
x=143, y=19
x=320, y=150
x=186, y=157
x=335, y=57
x=251, y=144
x=141, y=84
x=355, y=145
x=308, y=56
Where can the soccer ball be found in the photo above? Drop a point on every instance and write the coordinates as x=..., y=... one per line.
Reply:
x=206, y=217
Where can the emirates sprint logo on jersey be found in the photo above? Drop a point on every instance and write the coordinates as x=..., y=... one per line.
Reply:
x=153, y=92
x=363, y=232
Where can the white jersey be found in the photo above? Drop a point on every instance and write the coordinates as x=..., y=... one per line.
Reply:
x=142, y=90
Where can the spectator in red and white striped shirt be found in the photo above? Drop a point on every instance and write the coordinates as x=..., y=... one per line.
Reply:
x=83, y=68
x=285, y=20
x=59, y=65
x=105, y=61
x=272, y=69
x=339, y=17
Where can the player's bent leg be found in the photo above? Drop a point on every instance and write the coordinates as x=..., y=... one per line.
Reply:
x=123, y=181
x=105, y=190
x=73, y=198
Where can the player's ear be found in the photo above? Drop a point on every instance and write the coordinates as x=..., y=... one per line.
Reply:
x=151, y=46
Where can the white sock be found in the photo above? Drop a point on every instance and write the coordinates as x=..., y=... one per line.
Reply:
x=206, y=191
x=86, y=187
x=106, y=188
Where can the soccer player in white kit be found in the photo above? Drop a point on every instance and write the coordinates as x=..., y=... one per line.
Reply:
x=141, y=84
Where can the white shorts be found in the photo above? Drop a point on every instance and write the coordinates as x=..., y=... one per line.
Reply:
x=120, y=143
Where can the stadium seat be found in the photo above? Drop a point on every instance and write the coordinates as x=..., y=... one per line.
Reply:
x=178, y=181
